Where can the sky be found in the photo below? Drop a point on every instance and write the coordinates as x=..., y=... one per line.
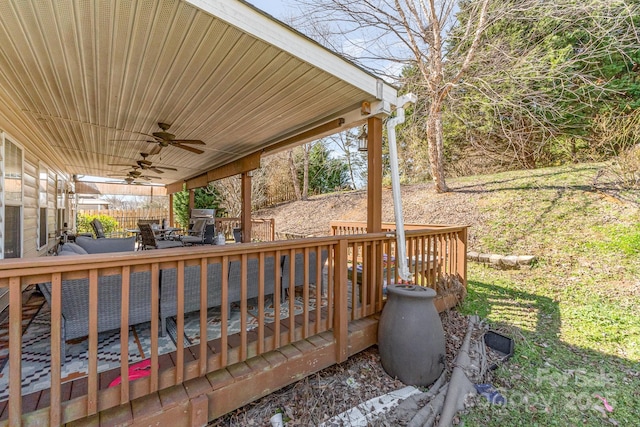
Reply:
x=275, y=8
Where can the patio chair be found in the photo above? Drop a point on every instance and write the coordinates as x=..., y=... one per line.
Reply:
x=98, y=229
x=195, y=236
x=149, y=239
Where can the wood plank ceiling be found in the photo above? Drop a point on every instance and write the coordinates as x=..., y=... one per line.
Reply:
x=90, y=80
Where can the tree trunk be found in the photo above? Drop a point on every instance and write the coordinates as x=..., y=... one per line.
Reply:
x=305, y=172
x=294, y=176
x=436, y=147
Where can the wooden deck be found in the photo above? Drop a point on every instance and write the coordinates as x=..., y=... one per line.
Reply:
x=78, y=387
x=196, y=384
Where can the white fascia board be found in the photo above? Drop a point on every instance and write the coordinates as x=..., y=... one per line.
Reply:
x=250, y=20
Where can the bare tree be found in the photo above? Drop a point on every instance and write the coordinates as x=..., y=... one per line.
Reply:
x=347, y=143
x=408, y=33
x=540, y=83
x=305, y=170
x=293, y=170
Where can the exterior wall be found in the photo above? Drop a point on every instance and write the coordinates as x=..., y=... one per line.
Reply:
x=31, y=166
x=30, y=206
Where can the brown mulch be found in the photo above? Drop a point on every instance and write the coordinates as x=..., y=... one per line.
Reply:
x=336, y=389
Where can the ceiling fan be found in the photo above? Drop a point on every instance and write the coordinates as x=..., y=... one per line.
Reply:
x=136, y=174
x=165, y=139
x=145, y=164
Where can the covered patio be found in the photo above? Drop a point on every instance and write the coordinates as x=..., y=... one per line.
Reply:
x=83, y=90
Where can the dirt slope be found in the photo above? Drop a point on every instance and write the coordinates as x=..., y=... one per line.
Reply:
x=421, y=205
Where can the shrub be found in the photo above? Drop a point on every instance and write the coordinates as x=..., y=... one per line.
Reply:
x=83, y=223
x=627, y=168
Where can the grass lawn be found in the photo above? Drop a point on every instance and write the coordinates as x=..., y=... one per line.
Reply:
x=575, y=315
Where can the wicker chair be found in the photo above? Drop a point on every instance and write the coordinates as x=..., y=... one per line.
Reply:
x=149, y=239
x=195, y=236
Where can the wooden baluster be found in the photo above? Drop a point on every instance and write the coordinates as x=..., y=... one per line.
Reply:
x=224, y=313
x=305, y=293
x=204, y=298
x=330, y=286
x=261, y=318
x=92, y=392
x=341, y=318
x=15, y=352
x=243, y=307
x=180, y=321
x=318, y=296
x=292, y=294
x=276, y=299
x=155, y=300
x=56, y=344
x=124, y=334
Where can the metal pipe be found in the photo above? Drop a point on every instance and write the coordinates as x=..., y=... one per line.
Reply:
x=401, y=262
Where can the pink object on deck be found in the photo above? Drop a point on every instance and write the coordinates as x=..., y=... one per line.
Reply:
x=608, y=407
x=136, y=371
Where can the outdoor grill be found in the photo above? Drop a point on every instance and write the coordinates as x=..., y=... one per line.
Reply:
x=210, y=230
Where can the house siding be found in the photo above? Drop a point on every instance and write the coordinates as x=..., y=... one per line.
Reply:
x=30, y=206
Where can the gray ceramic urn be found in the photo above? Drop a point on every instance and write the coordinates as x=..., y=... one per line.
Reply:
x=410, y=335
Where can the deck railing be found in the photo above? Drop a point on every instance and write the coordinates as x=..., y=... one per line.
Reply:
x=352, y=271
x=262, y=229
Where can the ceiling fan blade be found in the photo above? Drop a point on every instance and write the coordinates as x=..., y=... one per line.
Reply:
x=155, y=150
x=121, y=164
x=186, y=147
x=166, y=168
x=149, y=177
x=188, y=141
x=154, y=169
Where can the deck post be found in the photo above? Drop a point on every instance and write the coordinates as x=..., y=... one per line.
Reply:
x=374, y=202
x=374, y=175
x=341, y=317
x=245, y=215
x=171, y=218
x=192, y=200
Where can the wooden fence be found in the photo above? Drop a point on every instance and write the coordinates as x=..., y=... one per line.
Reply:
x=128, y=219
x=274, y=199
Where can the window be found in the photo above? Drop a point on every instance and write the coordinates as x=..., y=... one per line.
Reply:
x=13, y=200
x=12, y=173
x=12, y=232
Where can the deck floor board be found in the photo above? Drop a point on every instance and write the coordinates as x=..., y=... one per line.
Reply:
x=78, y=387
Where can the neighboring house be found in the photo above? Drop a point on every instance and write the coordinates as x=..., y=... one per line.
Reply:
x=90, y=203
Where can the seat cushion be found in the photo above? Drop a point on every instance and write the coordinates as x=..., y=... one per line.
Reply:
x=71, y=249
x=101, y=246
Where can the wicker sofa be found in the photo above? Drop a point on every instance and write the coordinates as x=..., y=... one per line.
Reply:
x=299, y=269
x=168, y=287
x=88, y=245
x=75, y=292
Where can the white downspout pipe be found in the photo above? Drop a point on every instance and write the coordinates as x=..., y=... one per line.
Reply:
x=401, y=261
